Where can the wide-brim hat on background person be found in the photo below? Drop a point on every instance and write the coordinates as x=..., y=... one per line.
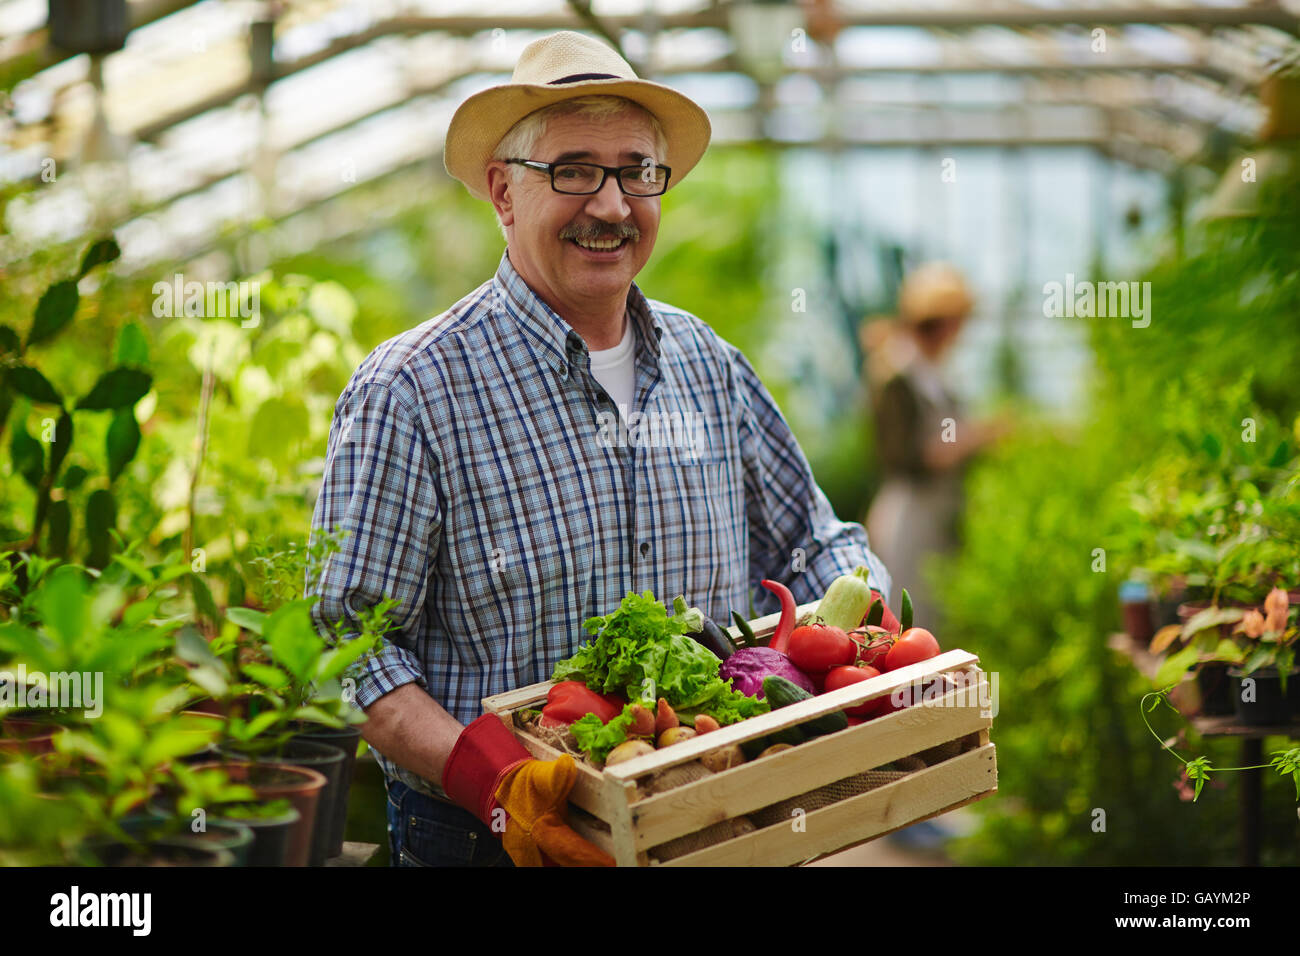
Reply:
x=935, y=290
x=559, y=67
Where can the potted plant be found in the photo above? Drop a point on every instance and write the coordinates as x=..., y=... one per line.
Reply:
x=1198, y=645
x=212, y=799
x=286, y=696
x=313, y=681
x=1268, y=683
x=1254, y=664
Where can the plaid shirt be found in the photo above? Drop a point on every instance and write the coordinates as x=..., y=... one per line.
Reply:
x=484, y=481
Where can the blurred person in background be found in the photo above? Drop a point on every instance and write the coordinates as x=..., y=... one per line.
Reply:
x=923, y=439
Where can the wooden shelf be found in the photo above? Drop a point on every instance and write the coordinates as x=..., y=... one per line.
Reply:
x=1228, y=725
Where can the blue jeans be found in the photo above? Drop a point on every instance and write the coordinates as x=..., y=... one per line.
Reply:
x=423, y=831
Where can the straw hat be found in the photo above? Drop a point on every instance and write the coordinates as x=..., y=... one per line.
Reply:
x=559, y=67
x=934, y=290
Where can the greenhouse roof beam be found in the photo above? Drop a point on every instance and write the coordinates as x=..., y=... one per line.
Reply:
x=972, y=17
x=151, y=129
x=1007, y=132
x=1134, y=153
x=25, y=56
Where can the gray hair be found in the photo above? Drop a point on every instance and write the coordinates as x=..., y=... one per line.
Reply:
x=523, y=136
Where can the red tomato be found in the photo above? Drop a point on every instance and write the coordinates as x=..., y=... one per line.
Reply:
x=913, y=645
x=846, y=675
x=816, y=648
x=874, y=643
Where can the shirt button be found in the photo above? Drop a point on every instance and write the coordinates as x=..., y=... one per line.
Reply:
x=561, y=371
x=645, y=549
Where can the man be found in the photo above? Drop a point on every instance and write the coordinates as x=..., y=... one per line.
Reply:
x=491, y=473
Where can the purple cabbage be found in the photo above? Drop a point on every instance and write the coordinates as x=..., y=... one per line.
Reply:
x=748, y=666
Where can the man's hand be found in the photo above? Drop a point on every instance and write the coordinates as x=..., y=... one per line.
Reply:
x=491, y=775
x=533, y=797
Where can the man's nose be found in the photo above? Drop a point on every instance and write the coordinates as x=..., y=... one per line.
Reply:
x=609, y=203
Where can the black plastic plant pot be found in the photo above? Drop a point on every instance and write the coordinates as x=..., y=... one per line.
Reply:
x=238, y=838
x=155, y=847
x=89, y=26
x=251, y=841
x=268, y=837
x=1270, y=707
x=325, y=760
x=1217, y=690
x=345, y=739
x=168, y=852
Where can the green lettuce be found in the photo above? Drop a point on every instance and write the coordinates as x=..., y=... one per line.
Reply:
x=643, y=653
x=599, y=739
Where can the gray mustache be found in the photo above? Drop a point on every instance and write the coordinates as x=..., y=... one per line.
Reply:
x=595, y=233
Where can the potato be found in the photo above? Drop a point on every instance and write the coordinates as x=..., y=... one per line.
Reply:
x=675, y=735
x=726, y=757
x=628, y=750
x=776, y=749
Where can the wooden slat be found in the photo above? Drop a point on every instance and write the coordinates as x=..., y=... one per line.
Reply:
x=810, y=765
x=513, y=700
x=818, y=706
x=591, y=791
x=626, y=852
x=925, y=792
x=591, y=829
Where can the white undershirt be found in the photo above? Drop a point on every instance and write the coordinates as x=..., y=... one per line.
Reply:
x=615, y=369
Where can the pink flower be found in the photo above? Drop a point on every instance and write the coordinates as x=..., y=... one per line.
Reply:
x=1252, y=624
x=1276, y=606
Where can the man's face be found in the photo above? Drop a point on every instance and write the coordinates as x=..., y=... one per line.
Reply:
x=544, y=227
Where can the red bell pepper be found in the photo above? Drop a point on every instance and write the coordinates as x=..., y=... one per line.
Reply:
x=572, y=699
x=889, y=622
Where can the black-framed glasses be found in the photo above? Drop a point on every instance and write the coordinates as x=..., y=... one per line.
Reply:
x=585, y=179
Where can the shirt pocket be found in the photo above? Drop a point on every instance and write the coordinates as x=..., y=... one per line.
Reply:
x=700, y=524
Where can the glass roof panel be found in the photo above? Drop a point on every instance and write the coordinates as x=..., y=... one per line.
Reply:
x=367, y=87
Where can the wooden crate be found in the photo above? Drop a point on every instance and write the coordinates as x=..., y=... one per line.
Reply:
x=617, y=810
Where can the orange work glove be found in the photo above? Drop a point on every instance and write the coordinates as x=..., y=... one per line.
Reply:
x=489, y=771
x=533, y=797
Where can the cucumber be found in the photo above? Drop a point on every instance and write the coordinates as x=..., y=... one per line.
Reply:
x=790, y=735
x=847, y=599
x=780, y=692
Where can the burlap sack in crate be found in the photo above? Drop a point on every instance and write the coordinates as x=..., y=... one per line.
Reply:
x=715, y=833
x=783, y=812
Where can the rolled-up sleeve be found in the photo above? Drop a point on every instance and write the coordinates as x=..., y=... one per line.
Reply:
x=379, y=497
x=794, y=534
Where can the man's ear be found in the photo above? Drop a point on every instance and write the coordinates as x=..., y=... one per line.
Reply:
x=499, y=183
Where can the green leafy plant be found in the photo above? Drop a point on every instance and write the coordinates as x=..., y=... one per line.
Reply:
x=115, y=745
x=1262, y=637
x=1198, y=770
x=40, y=460
x=284, y=674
